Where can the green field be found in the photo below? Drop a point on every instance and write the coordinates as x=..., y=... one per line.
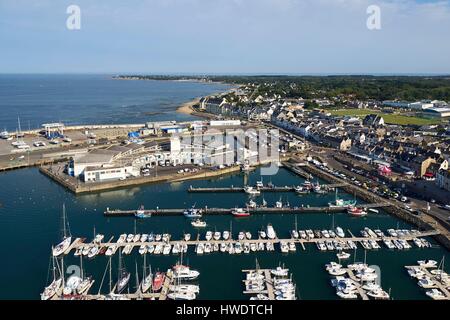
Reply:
x=390, y=118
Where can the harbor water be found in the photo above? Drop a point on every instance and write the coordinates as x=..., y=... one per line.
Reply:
x=30, y=215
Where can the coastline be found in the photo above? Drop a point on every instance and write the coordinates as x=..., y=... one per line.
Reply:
x=187, y=107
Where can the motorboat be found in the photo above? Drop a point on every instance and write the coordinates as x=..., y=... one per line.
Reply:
x=182, y=295
x=198, y=223
x=343, y=255
x=280, y=272
x=185, y=288
x=270, y=232
x=226, y=235
x=379, y=294
x=340, y=232
x=251, y=191
x=436, y=294
x=208, y=235
x=427, y=263
x=184, y=272
x=294, y=234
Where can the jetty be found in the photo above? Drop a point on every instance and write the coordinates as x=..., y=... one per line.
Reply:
x=138, y=295
x=262, y=189
x=78, y=244
x=220, y=211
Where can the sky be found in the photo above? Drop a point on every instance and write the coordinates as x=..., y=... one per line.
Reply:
x=225, y=37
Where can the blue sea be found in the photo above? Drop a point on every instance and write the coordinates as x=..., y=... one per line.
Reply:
x=93, y=99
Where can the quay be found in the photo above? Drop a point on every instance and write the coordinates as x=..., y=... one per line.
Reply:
x=259, y=210
x=78, y=244
x=263, y=189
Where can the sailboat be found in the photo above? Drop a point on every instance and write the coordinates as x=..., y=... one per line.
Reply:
x=54, y=286
x=147, y=280
x=123, y=277
x=67, y=239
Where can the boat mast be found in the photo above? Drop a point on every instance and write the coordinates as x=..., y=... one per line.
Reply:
x=110, y=275
x=64, y=220
x=81, y=266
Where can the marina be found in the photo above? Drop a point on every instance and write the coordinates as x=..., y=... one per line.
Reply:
x=305, y=260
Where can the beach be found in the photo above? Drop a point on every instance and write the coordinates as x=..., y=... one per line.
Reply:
x=186, y=108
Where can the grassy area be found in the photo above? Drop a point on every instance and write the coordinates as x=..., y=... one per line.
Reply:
x=391, y=118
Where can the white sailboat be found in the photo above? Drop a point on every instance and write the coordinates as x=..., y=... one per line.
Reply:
x=67, y=239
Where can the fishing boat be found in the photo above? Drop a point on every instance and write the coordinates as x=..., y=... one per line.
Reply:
x=356, y=211
x=61, y=247
x=341, y=203
x=270, y=232
x=158, y=281
x=198, y=223
x=240, y=212
x=192, y=213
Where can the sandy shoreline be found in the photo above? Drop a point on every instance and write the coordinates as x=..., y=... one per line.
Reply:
x=186, y=108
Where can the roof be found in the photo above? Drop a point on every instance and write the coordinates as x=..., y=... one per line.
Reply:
x=98, y=156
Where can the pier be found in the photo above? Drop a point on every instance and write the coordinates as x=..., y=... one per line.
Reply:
x=220, y=211
x=268, y=281
x=262, y=189
x=138, y=295
x=438, y=284
x=78, y=244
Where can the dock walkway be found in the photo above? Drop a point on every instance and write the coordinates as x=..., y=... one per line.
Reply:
x=79, y=244
x=220, y=211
